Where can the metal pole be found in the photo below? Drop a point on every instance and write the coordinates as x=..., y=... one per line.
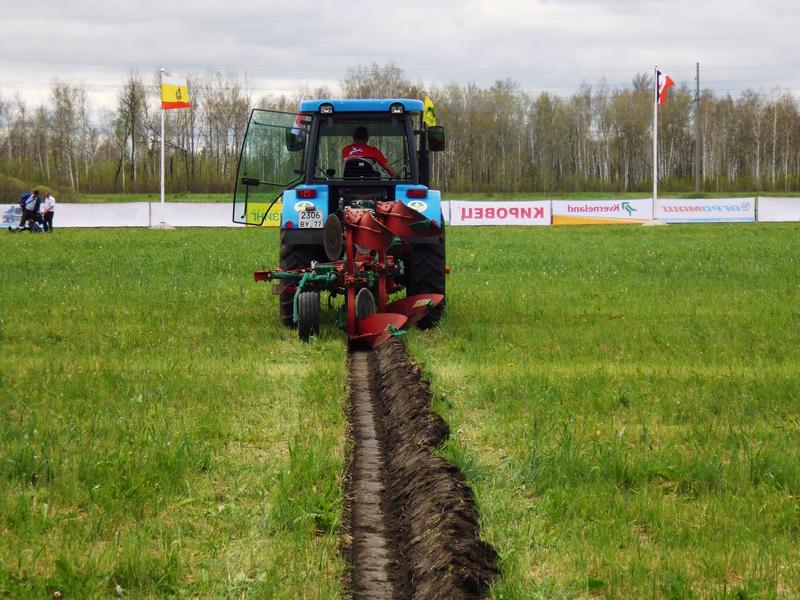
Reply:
x=655, y=139
x=698, y=140
x=163, y=208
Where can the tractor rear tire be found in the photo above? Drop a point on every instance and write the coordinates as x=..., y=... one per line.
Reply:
x=293, y=257
x=425, y=274
x=307, y=314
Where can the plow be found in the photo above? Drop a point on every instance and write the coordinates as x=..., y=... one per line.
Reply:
x=364, y=266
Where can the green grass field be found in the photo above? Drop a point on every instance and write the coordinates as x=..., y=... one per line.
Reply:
x=625, y=401
x=160, y=430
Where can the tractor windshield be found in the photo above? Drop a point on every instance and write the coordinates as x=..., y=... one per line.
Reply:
x=388, y=136
x=272, y=159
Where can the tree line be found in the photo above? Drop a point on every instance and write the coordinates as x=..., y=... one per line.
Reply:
x=500, y=138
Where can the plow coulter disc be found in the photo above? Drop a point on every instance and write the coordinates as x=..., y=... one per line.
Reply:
x=333, y=238
x=365, y=303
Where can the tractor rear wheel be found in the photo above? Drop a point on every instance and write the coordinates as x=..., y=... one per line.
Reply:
x=425, y=274
x=293, y=257
x=307, y=314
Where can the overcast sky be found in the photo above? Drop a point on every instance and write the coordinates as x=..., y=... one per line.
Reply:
x=552, y=45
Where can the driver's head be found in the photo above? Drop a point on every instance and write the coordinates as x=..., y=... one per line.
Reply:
x=361, y=134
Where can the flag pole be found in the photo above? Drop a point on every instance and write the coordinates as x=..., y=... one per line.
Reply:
x=163, y=223
x=163, y=208
x=655, y=139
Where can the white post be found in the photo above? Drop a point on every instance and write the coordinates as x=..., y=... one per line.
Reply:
x=163, y=223
x=163, y=208
x=655, y=140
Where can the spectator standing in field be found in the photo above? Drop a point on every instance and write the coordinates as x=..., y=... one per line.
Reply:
x=30, y=211
x=48, y=211
x=22, y=200
x=29, y=203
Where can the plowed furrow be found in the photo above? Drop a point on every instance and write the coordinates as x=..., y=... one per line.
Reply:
x=412, y=526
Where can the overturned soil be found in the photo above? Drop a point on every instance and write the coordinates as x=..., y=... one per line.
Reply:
x=410, y=519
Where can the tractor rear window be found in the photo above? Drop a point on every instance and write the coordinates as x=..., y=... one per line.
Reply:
x=388, y=136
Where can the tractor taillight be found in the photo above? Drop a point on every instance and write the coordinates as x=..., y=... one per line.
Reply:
x=417, y=193
x=306, y=194
x=289, y=225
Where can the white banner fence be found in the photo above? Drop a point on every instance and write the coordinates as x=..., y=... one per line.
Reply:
x=133, y=214
x=456, y=212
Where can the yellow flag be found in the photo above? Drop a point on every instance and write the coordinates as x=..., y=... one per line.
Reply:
x=428, y=115
x=174, y=93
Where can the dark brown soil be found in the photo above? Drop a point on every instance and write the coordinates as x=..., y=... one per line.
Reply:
x=411, y=523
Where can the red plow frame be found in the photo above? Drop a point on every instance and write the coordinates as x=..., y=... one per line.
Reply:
x=372, y=240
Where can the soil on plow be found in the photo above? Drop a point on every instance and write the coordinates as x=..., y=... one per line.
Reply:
x=411, y=522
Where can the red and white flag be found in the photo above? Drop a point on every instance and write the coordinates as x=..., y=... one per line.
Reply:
x=664, y=83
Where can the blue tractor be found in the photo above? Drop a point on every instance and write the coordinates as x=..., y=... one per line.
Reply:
x=358, y=217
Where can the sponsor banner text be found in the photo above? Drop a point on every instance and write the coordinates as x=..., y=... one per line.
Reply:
x=499, y=213
x=707, y=210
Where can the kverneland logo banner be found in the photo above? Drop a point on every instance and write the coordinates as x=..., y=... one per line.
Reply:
x=595, y=212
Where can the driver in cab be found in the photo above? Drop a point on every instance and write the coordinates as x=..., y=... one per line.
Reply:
x=362, y=151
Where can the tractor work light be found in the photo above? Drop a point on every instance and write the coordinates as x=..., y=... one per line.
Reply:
x=326, y=109
x=396, y=109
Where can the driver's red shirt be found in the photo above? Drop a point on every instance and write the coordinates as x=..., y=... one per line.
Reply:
x=359, y=150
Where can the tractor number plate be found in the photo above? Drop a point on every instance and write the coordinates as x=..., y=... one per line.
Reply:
x=310, y=219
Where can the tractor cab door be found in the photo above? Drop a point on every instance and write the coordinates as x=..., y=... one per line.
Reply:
x=272, y=160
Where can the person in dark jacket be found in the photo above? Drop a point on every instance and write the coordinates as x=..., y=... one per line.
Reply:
x=30, y=204
x=22, y=200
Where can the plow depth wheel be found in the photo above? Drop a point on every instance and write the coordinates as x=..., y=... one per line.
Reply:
x=292, y=257
x=307, y=314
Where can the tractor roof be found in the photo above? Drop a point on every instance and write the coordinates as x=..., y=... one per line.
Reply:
x=361, y=105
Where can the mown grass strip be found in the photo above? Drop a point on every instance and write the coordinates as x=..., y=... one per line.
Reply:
x=162, y=432
x=624, y=401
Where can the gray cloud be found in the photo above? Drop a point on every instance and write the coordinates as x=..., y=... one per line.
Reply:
x=542, y=44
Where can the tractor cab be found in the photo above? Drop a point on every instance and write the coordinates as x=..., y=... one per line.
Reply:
x=311, y=158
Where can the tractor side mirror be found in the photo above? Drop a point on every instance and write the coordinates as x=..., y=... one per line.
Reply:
x=436, y=138
x=295, y=141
